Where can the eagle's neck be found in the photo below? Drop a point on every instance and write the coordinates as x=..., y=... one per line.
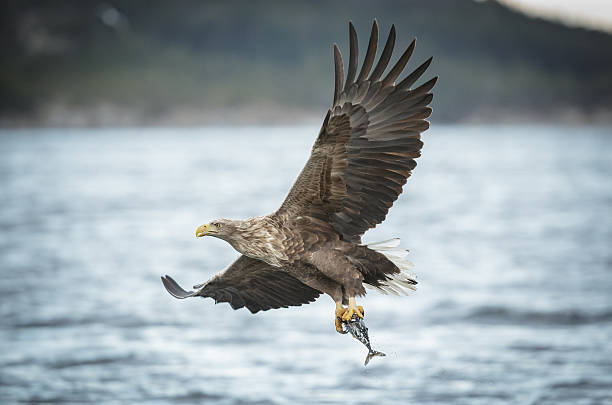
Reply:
x=259, y=238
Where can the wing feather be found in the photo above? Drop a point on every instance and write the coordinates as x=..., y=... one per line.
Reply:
x=399, y=65
x=353, y=57
x=368, y=143
x=414, y=76
x=385, y=57
x=339, y=75
x=249, y=283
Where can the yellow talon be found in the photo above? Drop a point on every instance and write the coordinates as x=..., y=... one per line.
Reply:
x=338, y=322
x=340, y=310
x=348, y=314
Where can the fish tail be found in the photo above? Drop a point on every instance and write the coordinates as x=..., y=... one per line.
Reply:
x=372, y=353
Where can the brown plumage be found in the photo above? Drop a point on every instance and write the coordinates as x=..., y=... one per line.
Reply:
x=363, y=155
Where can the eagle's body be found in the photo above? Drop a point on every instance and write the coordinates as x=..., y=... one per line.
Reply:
x=362, y=157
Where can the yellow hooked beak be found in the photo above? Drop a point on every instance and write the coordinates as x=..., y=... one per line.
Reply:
x=204, y=230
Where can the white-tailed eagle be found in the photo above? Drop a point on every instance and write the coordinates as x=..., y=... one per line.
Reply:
x=365, y=151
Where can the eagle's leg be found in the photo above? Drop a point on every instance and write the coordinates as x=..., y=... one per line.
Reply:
x=353, y=309
x=340, y=310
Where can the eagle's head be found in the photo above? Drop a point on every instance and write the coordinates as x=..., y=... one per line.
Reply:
x=220, y=228
x=246, y=236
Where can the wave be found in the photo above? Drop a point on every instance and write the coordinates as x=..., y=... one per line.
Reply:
x=584, y=384
x=66, y=322
x=498, y=314
x=101, y=360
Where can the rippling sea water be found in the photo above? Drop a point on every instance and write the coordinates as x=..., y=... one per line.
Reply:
x=510, y=229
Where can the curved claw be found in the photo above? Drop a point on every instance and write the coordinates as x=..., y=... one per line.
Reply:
x=339, y=328
x=338, y=320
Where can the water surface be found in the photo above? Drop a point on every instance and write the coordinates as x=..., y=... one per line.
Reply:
x=510, y=229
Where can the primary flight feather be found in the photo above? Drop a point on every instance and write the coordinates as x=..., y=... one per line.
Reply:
x=363, y=155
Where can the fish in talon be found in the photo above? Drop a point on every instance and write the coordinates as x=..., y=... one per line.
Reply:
x=359, y=331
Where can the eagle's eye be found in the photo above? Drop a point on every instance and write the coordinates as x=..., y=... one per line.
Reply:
x=218, y=225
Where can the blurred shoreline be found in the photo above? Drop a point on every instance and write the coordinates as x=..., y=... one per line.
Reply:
x=89, y=64
x=111, y=115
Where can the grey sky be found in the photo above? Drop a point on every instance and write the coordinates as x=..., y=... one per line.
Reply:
x=590, y=13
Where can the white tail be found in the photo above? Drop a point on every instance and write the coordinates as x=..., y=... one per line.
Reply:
x=399, y=282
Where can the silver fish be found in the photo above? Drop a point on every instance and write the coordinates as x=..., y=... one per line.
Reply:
x=357, y=328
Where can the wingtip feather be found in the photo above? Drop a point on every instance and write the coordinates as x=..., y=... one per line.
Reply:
x=175, y=289
x=385, y=56
x=353, y=56
x=399, y=65
x=415, y=75
x=339, y=73
x=368, y=61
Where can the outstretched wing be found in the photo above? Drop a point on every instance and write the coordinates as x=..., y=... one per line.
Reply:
x=249, y=283
x=366, y=148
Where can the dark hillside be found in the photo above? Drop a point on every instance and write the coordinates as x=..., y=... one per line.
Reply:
x=150, y=59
